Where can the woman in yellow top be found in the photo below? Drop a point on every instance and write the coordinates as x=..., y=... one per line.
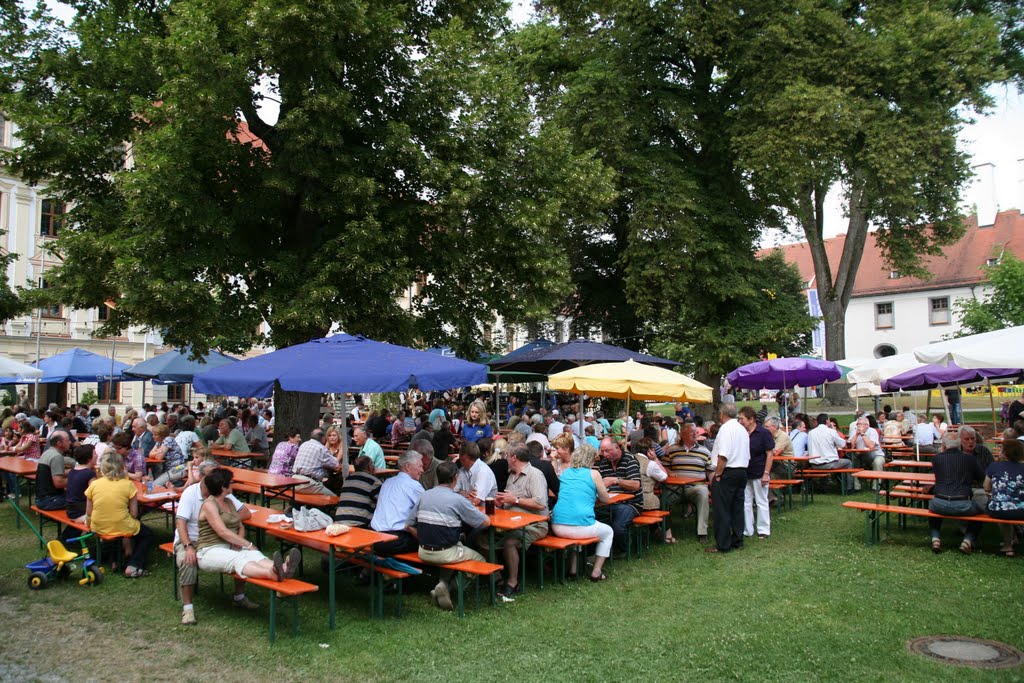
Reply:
x=112, y=507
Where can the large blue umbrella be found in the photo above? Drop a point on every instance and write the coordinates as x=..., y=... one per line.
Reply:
x=78, y=365
x=177, y=367
x=340, y=363
x=558, y=357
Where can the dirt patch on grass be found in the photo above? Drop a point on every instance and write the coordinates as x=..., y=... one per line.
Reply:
x=43, y=643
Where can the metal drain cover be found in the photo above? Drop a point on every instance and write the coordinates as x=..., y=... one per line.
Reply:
x=963, y=651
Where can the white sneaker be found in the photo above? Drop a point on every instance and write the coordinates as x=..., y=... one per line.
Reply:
x=188, y=617
x=441, y=596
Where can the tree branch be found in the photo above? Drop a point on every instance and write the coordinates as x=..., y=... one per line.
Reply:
x=257, y=126
x=856, y=236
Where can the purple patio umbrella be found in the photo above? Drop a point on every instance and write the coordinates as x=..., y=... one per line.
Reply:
x=932, y=376
x=784, y=373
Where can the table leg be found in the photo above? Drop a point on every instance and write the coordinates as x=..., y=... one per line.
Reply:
x=331, y=576
x=490, y=558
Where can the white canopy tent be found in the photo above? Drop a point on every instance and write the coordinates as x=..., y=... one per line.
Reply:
x=1000, y=349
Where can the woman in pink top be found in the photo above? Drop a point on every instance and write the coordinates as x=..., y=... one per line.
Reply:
x=28, y=446
x=284, y=454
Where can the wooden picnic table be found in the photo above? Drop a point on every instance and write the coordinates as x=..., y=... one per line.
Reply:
x=159, y=496
x=886, y=478
x=673, y=488
x=22, y=468
x=232, y=455
x=507, y=520
x=910, y=464
x=270, y=485
x=350, y=544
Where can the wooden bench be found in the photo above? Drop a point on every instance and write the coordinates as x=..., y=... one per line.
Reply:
x=317, y=500
x=289, y=589
x=810, y=473
x=470, y=567
x=786, y=486
x=640, y=522
x=559, y=548
x=60, y=517
x=907, y=495
x=874, y=511
x=382, y=572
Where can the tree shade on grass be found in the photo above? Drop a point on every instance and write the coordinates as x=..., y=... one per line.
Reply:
x=812, y=603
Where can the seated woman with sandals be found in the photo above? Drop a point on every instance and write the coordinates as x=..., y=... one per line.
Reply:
x=221, y=546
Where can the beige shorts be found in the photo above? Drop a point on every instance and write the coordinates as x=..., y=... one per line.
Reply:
x=223, y=560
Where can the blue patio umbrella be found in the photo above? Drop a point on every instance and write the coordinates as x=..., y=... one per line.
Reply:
x=558, y=357
x=78, y=365
x=177, y=367
x=337, y=364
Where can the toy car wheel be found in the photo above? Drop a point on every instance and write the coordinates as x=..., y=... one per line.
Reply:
x=95, y=575
x=37, y=581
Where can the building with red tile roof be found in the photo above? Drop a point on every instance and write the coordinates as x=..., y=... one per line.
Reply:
x=890, y=313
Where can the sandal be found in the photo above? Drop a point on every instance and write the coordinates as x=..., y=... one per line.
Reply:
x=671, y=541
x=966, y=547
x=602, y=577
x=278, y=565
x=135, y=573
x=293, y=562
x=936, y=546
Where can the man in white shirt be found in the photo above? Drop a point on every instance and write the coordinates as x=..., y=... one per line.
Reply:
x=398, y=496
x=798, y=435
x=926, y=437
x=186, y=534
x=863, y=435
x=555, y=426
x=823, y=444
x=476, y=480
x=731, y=455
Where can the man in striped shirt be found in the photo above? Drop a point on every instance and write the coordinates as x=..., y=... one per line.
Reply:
x=621, y=474
x=690, y=459
x=358, y=495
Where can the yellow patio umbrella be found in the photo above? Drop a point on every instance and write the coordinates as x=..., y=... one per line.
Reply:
x=630, y=380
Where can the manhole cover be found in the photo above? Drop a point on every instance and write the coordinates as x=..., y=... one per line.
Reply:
x=962, y=651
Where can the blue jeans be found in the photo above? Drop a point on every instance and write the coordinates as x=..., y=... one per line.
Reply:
x=954, y=508
x=621, y=517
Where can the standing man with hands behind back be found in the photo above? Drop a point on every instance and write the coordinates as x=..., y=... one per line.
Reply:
x=731, y=455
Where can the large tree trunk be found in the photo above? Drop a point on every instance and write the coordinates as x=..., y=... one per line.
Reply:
x=708, y=411
x=834, y=314
x=295, y=409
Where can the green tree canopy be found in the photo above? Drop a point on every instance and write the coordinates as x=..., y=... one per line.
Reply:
x=673, y=267
x=403, y=147
x=869, y=97
x=1002, y=306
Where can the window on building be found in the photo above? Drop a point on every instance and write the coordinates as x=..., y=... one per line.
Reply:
x=885, y=350
x=53, y=310
x=938, y=311
x=895, y=275
x=3, y=131
x=992, y=262
x=176, y=393
x=109, y=392
x=51, y=217
x=884, y=318
x=103, y=313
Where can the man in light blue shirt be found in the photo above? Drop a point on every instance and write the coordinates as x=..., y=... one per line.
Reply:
x=798, y=435
x=398, y=496
x=369, y=447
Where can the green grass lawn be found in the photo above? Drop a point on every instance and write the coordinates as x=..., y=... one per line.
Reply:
x=811, y=603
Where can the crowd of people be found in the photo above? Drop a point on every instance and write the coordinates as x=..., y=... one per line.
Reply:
x=547, y=462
